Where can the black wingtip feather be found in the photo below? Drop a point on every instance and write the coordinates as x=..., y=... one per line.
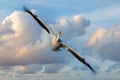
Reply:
x=26, y=9
x=90, y=68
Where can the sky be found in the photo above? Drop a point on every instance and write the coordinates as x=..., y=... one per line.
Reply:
x=91, y=27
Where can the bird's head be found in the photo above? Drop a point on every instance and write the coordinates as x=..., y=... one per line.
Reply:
x=58, y=34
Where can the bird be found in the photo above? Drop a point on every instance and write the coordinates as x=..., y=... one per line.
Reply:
x=56, y=42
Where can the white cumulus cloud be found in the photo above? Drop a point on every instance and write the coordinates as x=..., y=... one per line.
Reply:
x=71, y=27
x=107, y=43
x=23, y=42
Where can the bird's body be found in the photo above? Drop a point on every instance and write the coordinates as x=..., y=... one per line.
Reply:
x=56, y=42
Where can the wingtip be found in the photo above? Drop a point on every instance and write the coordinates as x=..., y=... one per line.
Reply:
x=26, y=9
x=94, y=71
x=90, y=67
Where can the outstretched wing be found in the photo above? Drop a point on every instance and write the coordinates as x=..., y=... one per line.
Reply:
x=78, y=56
x=40, y=22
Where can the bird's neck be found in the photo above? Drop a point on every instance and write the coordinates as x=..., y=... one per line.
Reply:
x=58, y=36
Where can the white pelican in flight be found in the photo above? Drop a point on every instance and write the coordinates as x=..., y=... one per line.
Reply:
x=56, y=42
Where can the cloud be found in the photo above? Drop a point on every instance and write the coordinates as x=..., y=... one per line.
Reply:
x=99, y=34
x=53, y=68
x=74, y=26
x=107, y=43
x=29, y=69
x=114, y=68
x=24, y=43
x=76, y=68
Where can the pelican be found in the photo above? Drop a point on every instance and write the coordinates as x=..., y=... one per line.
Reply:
x=56, y=42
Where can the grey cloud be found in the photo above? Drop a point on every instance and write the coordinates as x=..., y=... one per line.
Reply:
x=53, y=68
x=76, y=68
x=5, y=27
x=114, y=68
x=110, y=51
x=23, y=42
x=29, y=69
x=118, y=72
x=27, y=44
x=107, y=44
x=84, y=68
x=5, y=67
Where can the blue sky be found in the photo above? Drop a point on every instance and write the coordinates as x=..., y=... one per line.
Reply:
x=90, y=27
